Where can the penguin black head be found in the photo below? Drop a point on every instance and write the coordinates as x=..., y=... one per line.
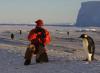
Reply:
x=84, y=36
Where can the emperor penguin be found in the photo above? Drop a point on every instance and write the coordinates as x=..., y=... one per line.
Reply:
x=89, y=46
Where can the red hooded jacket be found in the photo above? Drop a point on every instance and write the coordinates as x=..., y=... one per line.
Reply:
x=33, y=34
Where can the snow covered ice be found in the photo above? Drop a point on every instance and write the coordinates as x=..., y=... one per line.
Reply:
x=65, y=54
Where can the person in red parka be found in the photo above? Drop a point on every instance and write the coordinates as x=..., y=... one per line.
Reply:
x=39, y=38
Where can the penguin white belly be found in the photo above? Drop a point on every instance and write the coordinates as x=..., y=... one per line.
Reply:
x=85, y=45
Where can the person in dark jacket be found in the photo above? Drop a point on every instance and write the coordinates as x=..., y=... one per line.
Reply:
x=39, y=38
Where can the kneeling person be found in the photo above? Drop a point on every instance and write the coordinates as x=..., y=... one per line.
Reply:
x=39, y=37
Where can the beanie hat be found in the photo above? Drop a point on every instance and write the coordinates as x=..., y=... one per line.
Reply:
x=39, y=22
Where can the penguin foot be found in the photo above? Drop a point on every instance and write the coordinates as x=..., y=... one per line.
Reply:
x=85, y=59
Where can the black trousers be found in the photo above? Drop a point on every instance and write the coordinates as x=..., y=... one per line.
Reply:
x=39, y=50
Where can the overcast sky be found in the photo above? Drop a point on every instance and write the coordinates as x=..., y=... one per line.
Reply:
x=51, y=11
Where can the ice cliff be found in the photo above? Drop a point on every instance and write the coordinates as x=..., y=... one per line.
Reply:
x=89, y=14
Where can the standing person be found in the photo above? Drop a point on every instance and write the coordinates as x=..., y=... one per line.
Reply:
x=38, y=38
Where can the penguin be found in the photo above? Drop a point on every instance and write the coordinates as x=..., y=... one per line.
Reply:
x=89, y=46
x=12, y=36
